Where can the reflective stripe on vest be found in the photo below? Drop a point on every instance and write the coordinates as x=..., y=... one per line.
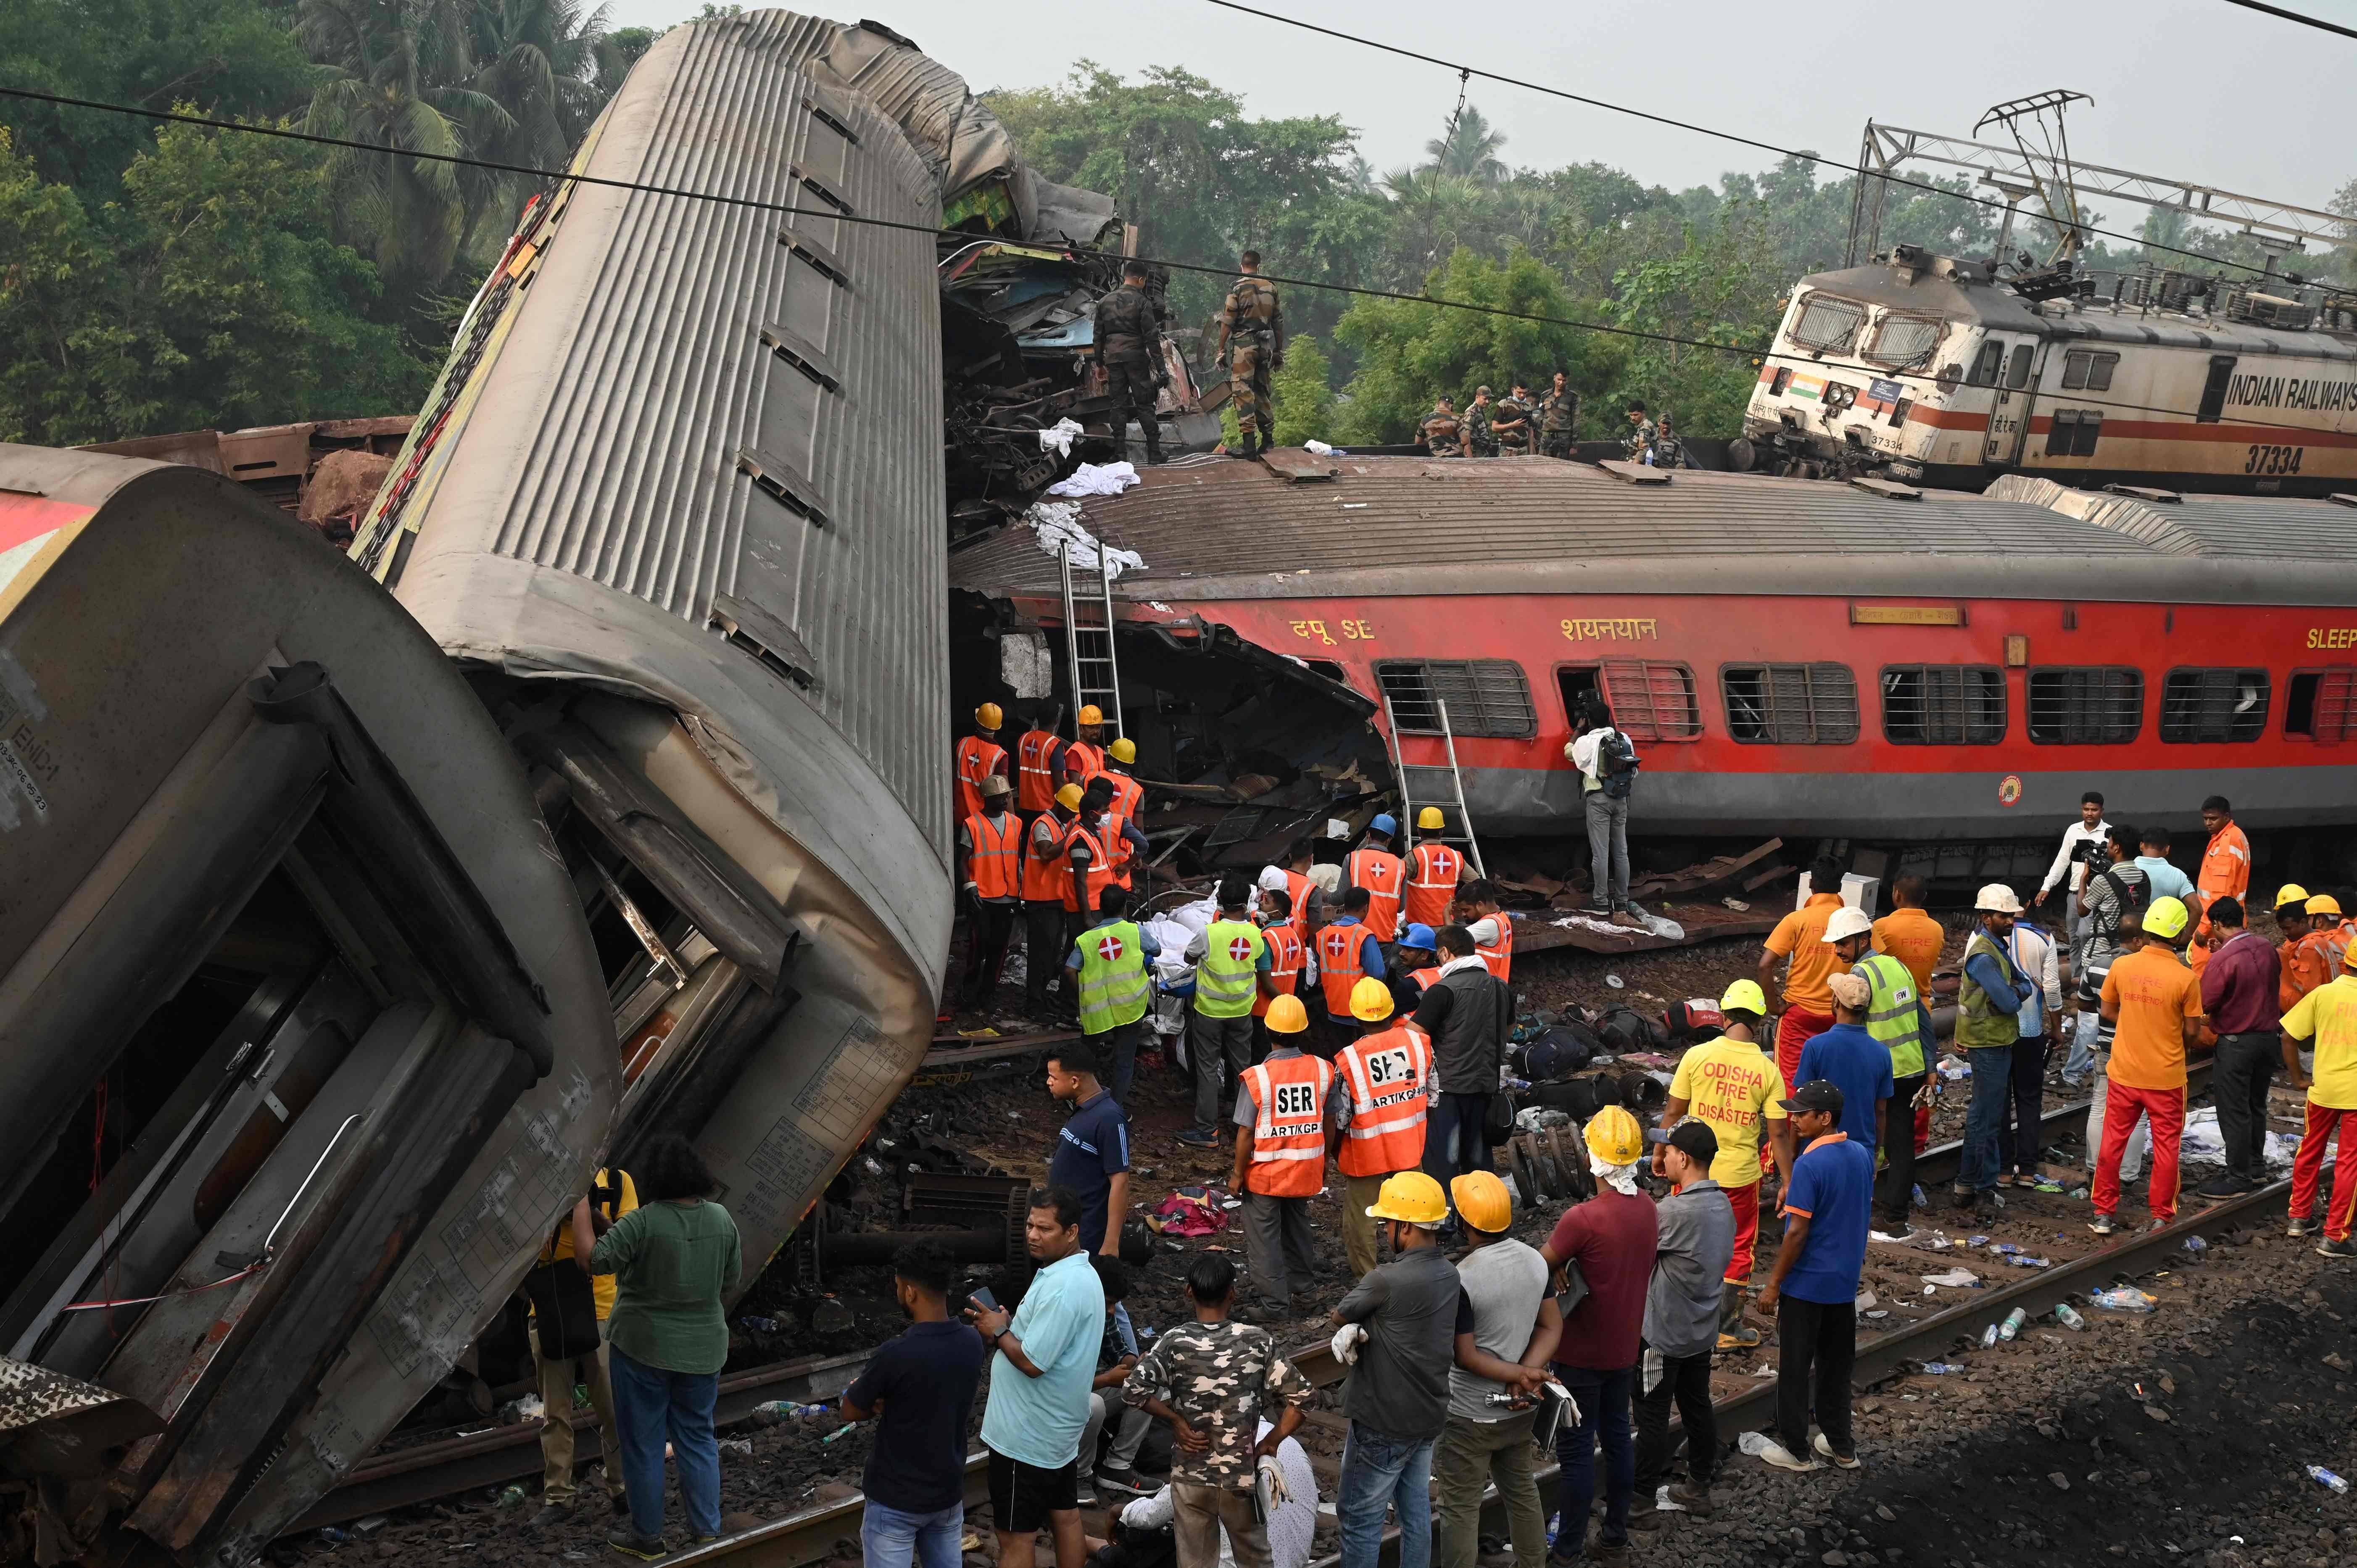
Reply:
x=1341, y=953
x=1288, y=1157
x=1388, y=1076
x=1118, y=848
x=1979, y=1023
x=1296, y=887
x=1035, y=788
x=977, y=759
x=1046, y=877
x=1100, y=866
x=1499, y=959
x=1425, y=979
x=1379, y=871
x=996, y=851
x=1432, y=876
x=1230, y=972
x=1112, y=977
x=1285, y=953
x=1893, y=1015
x=1083, y=762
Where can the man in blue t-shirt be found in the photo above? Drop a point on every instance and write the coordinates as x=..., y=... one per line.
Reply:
x=922, y=1384
x=1852, y=1060
x=1814, y=1290
x=1092, y=1153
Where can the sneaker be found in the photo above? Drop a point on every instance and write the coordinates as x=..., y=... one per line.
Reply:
x=2005, y=1178
x=2343, y=1248
x=1825, y=1446
x=1743, y=1337
x=1695, y=1500
x=2103, y=1225
x=1117, y=1476
x=1896, y=1229
x=631, y=1544
x=2226, y=1184
x=1200, y=1138
x=2300, y=1225
x=1784, y=1458
x=1085, y=1492
x=2158, y=1222
x=552, y=1514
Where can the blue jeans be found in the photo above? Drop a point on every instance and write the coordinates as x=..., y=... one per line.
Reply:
x=1381, y=1472
x=2081, y=1059
x=890, y=1539
x=651, y=1405
x=1603, y=1400
x=1992, y=1099
x=1455, y=1141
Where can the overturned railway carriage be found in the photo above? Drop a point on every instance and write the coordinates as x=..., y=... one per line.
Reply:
x=301, y=1047
x=1884, y=664
x=1934, y=371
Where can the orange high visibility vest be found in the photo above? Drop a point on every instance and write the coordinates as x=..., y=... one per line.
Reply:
x=1387, y=1076
x=1342, y=954
x=977, y=759
x=1101, y=869
x=1424, y=978
x=1128, y=795
x=1432, y=875
x=1116, y=842
x=1046, y=878
x=1285, y=955
x=1501, y=959
x=1288, y=1157
x=1035, y=786
x=1378, y=870
x=1083, y=762
x=998, y=855
x=1297, y=887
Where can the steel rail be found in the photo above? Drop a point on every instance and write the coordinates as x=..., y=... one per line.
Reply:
x=1939, y=1163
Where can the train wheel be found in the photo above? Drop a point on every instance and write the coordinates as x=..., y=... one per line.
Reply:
x=1740, y=455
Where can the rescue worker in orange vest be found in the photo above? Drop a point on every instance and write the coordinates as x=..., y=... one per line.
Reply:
x=1293, y=875
x=1433, y=869
x=1287, y=954
x=1129, y=802
x=1478, y=911
x=2225, y=867
x=990, y=847
x=1347, y=953
x=1413, y=966
x=1115, y=823
x=1374, y=1126
x=1048, y=931
x=1374, y=867
x=1039, y=762
x=1086, y=853
x=1084, y=756
x=979, y=756
x=2314, y=950
x=1280, y=1161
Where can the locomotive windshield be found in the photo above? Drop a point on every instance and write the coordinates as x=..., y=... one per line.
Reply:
x=1827, y=324
x=1905, y=340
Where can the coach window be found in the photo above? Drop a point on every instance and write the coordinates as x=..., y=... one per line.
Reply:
x=1992, y=359
x=1943, y=704
x=2321, y=705
x=2098, y=706
x=1651, y=699
x=2084, y=369
x=1828, y=325
x=1486, y=697
x=1790, y=705
x=2215, y=706
x=2017, y=370
x=2075, y=433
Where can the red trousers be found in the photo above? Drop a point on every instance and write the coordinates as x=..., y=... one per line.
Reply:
x=1745, y=1201
x=1796, y=1028
x=2166, y=1107
x=2307, y=1167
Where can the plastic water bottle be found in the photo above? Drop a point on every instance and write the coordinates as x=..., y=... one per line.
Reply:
x=759, y=1325
x=1989, y=1338
x=2196, y=1244
x=2068, y=1316
x=2323, y=1477
x=1940, y=1369
x=2125, y=1298
x=1920, y=1201
x=2012, y=1324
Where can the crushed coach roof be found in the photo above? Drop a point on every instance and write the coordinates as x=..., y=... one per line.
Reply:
x=2260, y=527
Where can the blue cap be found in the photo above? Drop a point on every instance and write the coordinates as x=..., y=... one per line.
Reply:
x=1386, y=824
x=1419, y=937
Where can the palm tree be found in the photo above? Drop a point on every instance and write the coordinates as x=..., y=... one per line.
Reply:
x=1470, y=150
x=539, y=60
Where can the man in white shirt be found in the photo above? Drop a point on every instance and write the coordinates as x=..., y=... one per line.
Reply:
x=1604, y=796
x=2081, y=856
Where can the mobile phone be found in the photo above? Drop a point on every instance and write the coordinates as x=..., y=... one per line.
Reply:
x=984, y=1299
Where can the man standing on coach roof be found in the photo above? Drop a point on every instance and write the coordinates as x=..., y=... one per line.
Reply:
x=1800, y=937
x=1398, y=1334
x=1044, y=1358
x=2241, y=988
x=1813, y=1293
x=1558, y=419
x=1127, y=345
x=1252, y=340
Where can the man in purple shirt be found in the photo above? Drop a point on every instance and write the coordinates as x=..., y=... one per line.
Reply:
x=2239, y=992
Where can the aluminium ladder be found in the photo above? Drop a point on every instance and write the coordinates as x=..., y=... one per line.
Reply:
x=1092, y=659
x=1452, y=801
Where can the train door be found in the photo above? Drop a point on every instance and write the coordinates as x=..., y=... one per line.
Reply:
x=2008, y=365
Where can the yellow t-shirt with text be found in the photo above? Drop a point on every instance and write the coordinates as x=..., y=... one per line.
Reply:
x=1735, y=1087
x=2328, y=1016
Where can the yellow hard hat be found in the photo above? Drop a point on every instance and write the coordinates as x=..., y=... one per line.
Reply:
x=1123, y=749
x=1371, y=1000
x=1411, y=1197
x=2289, y=893
x=1614, y=1138
x=1287, y=1016
x=1745, y=996
x=1482, y=1201
x=1430, y=817
x=988, y=715
x=1068, y=797
x=2324, y=904
x=1091, y=714
x=2164, y=917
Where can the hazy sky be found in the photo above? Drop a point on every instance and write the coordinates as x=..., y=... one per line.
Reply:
x=2190, y=90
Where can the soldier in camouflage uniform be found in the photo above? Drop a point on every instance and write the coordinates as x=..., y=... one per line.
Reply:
x=1669, y=452
x=1214, y=1379
x=1512, y=423
x=1637, y=445
x=1252, y=340
x=1479, y=440
x=1558, y=419
x=1442, y=431
x=1128, y=345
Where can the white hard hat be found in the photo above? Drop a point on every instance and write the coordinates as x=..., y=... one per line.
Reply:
x=1848, y=923
x=1996, y=898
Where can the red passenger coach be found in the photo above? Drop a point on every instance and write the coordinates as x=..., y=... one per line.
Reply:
x=1864, y=661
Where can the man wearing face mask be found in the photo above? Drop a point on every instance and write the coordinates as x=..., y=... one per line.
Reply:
x=923, y=1386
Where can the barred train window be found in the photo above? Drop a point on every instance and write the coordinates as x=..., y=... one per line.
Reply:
x=2321, y=705
x=2213, y=706
x=1827, y=324
x=1651, y=700
x=1790, y=705
x=1486, y=697
x=2085, y=707
x=1943, y=704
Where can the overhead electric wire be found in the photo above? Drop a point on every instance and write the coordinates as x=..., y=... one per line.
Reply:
x=756, y=204
x=2306, y=21
x=1858, y=169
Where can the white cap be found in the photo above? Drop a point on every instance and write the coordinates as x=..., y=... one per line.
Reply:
x=1848, y=923
x=1996, y=898
x=1272, y=878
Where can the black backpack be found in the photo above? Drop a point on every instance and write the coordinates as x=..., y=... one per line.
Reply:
x=2132, y=896
x=1624, y=1030
x=1616, y=765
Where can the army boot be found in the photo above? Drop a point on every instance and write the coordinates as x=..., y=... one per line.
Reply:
x=1734, y=1334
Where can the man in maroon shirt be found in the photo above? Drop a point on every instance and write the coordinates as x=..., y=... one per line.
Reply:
x=1612, y=1239
x=2239, y=992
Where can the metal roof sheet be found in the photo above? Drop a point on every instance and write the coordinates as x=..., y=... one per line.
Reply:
x=2259, y=527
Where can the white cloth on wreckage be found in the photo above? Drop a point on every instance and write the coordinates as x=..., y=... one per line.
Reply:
x=1056, y=525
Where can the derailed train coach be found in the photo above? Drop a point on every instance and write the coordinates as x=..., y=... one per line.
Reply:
x=301, y=1042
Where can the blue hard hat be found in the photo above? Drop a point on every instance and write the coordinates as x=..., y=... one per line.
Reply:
x=1419, y=937
x=1386, y=824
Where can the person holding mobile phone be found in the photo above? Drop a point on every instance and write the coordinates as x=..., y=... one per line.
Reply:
x=921, y=1385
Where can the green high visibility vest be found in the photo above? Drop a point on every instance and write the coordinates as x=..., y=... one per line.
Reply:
x=1229, y=974
x=1113, y=989
x=1893, y=1015
x=1980, y=1023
